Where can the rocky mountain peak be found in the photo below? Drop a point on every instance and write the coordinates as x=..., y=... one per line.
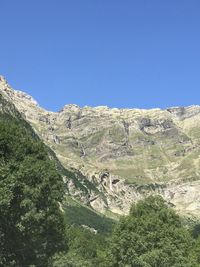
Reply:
x=2, y=79
x=4, y=87
x=15, y=95
x=70, y=107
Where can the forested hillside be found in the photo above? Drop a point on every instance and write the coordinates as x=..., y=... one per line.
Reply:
x=31, y=223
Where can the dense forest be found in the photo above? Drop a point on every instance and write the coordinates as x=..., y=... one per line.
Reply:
x=35, y=230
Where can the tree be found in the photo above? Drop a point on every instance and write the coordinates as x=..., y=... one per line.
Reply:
x=151, y=236
x=31, y=223
x=85, y=249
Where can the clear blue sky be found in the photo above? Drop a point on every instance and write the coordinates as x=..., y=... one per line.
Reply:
x=120, y=53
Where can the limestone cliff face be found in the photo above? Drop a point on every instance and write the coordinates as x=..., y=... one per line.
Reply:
x=125, y=154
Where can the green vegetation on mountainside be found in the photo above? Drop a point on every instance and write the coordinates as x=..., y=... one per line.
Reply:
x=151, y=235
x=78, y=215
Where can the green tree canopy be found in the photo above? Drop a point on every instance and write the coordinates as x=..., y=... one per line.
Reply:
x=151, y=236
x=31, y=224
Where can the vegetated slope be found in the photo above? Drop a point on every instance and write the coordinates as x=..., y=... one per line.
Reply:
x=11, y=117
x=151, y=235
x=32, y=227
x=122, y=155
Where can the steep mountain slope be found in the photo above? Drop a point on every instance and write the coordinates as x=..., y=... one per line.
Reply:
x=125, y=154
x=75, y=213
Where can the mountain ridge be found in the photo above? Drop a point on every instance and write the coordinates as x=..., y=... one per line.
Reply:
x=3, y=80
x=125, y=154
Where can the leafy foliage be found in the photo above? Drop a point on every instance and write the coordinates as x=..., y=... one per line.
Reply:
x=31, y=224
x=85, y=249
x=152, y=235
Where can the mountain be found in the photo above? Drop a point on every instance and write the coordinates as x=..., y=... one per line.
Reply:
x=119, y=156
x=20, y=136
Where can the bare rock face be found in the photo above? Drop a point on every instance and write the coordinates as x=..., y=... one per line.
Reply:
x=125, y=154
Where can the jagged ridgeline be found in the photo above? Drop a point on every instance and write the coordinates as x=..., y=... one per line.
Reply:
x=117, y=156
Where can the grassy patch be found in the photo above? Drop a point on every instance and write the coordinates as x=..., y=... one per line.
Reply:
x=77, y=214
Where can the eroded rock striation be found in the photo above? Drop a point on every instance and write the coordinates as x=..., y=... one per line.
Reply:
x=122, y=155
